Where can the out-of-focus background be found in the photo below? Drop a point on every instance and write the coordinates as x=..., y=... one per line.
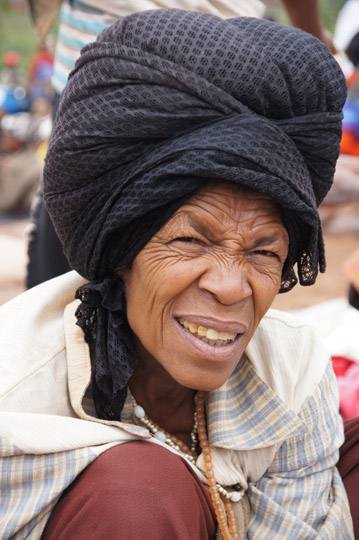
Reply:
x=26, y=101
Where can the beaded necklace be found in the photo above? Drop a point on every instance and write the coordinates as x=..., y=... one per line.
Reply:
x=221, y=498
x=187, y=452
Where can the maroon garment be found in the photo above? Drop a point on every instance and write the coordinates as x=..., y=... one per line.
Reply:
x=348, y=467
x=134, y=491
x=141, y=490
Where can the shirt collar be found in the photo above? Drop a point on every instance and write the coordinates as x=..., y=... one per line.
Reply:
x=245, y=413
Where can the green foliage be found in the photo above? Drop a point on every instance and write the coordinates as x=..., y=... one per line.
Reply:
x=4, y=5
x=329, y=10
x=17, y=33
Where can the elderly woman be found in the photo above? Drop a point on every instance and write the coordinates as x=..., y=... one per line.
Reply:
x=184, y=173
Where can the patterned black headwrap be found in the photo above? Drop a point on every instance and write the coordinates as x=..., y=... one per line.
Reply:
x=161, y=103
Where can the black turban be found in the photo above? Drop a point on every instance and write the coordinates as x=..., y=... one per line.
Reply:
x=166, y=100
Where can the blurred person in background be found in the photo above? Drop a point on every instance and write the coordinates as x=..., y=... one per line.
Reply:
x=20, y=166
x=80, y=23
x=346, y=39
x=345, y=189
x=13, y=95
x=10, y=70
x=40, y=72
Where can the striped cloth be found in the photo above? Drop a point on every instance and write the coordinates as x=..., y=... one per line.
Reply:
x=80, y=22
x=79, y=25
x=274, y=426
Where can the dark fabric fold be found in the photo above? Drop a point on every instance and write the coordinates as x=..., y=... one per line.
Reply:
x=160, y=104
x=102, y=317
x=154, y=78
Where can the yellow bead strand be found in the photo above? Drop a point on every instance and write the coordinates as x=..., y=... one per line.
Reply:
x=222, y=505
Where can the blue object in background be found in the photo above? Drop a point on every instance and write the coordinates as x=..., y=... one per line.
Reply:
x=13, y=99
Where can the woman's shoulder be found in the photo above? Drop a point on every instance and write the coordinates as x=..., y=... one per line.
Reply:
x=285, y=318
x=290, y=328
x=289, y=355
x=32, y=343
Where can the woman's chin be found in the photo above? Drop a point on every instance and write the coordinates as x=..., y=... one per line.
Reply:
x=201, y=379
x=198, y=365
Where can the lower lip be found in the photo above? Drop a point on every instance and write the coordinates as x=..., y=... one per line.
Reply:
x=220, y=352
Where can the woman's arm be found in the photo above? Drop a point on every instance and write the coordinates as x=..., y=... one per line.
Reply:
x=305, y=15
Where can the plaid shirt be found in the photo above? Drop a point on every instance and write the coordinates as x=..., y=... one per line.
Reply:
x=274, y=426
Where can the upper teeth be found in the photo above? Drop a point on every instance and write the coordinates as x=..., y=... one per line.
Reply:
x=209, y=333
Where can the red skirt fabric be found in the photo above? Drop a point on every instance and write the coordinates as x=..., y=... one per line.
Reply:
x=141, y=490
x=348, y=467
x=134, y=491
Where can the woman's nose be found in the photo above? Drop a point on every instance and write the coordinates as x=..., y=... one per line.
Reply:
x=228, y=283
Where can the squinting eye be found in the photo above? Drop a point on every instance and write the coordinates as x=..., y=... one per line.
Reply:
x=266, y=253
x=187, y=239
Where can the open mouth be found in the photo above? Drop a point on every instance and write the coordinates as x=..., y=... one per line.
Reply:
x=208, y=335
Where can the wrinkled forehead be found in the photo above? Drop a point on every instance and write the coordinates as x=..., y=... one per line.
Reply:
x=233, y=190
x=223, y=193
x=219, y=207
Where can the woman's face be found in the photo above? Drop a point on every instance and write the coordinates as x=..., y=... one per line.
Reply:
x=198, y=290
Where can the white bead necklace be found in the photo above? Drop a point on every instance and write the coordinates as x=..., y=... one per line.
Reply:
x=189, y=453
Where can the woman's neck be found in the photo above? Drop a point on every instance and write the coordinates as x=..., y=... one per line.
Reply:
x=167, y=403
